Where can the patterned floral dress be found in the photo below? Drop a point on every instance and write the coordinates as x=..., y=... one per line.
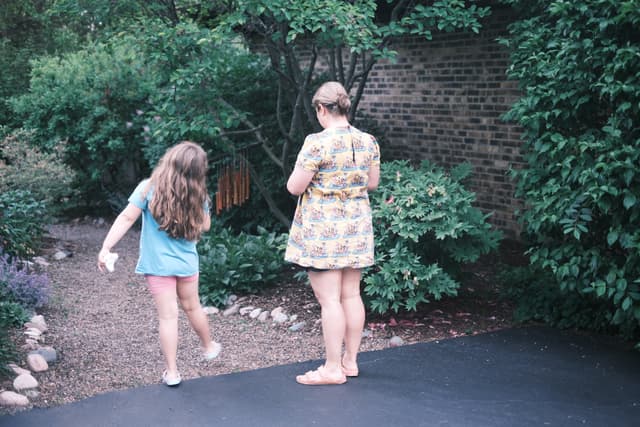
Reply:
x=332, y=225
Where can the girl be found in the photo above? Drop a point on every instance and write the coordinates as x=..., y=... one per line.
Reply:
x=331, y=233
x=174, y=205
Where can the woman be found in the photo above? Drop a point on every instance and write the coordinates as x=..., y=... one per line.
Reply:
x=331, y=233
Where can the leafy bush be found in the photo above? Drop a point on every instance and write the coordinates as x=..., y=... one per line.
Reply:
x=241, y=263
x=24, y=167
x=12, y=314
x=89, y=99
x=577, y=64
x=19, y=285
x=538, y=298
x=22, y=220
x=425, y=226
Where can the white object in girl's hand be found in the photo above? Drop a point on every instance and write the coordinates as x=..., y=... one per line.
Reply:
x=110, y=261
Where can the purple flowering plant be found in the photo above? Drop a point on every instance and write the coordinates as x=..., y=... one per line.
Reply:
x=18, y=284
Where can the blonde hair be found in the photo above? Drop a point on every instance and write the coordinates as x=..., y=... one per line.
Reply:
x=179, y=183
x=334, y=97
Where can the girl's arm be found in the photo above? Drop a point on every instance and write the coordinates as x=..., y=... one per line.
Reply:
x=121, y=225
x=206, y=225
x=299, y=181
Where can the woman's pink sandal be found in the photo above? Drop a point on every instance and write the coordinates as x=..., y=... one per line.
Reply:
x=320, y=377
x=350, y=372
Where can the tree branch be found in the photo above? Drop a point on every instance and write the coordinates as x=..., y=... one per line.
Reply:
x=273, y=207
x=257, y=133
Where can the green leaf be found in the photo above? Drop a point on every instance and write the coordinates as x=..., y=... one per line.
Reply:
x=629, y=200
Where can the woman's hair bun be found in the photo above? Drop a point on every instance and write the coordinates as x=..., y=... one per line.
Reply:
x=344, y=103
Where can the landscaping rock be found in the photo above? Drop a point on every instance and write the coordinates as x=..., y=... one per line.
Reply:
x=396, y=341
x=280, y=318
x=30, y=344
x=13, y=399
x=231, y=310
x=255, y=313
x=39, y=326
x=210, y=310
x=231, y=300
x=37, y=363
x=33, y=333
x=24, y=382
x=296, y=327
x=18, y=370
x=263, y=316
x=41, y=261
x=49, y=354
x=246, y=310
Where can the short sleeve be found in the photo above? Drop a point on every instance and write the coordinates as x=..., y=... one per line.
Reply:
x=310, y=155
x=138, y=198
x=375, y=148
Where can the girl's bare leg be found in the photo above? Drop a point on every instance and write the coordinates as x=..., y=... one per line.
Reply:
x=167, y=308
x=190, y=302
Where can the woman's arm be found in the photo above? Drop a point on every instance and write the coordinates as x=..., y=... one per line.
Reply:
x=299, y=180
x=374, y=177
x=120, y=226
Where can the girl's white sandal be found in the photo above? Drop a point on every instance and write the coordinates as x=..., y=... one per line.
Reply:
x=210, y=355
x=171, y=382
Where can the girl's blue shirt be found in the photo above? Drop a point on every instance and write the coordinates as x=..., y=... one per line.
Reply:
x=161, y=254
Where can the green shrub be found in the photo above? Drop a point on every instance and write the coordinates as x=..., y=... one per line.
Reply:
x=425, y=227
x=22, y=221
x=243, y=263
x=24, y=167
x=12, y=314
x=538, y=298
x=577, y=64
x=89, y=99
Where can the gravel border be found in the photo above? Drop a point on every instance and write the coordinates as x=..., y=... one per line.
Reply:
x=103, y=326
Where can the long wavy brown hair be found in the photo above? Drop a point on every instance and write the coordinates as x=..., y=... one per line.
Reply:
x=179, y=183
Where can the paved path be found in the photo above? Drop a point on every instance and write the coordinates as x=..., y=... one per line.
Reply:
x=511, y=378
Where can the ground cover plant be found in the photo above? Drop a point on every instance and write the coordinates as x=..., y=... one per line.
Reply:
x=232, y=263
x=21, y=291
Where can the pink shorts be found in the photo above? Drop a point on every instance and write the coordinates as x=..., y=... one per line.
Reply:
x=159, y=284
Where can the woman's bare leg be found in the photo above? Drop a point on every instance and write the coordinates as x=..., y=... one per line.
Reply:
x=354, y=314
x=326, y=286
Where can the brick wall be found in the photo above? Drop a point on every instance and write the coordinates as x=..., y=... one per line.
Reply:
x=442, y=100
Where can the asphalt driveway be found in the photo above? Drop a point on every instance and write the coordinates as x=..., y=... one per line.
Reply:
x=519, y=377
